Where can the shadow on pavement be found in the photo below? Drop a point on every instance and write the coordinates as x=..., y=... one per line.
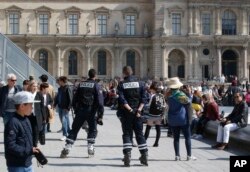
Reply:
x=108, y=146
x=219, y=159
x=87, y=165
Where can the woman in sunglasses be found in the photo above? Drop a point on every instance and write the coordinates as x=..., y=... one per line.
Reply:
x=238, y=118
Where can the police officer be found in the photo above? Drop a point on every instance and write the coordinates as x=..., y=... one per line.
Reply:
x=132, y=98
x=87, y=101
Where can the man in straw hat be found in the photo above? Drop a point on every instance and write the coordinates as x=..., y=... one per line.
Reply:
x=178, y=116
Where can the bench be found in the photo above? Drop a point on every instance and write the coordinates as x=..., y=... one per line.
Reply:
x=239, y=138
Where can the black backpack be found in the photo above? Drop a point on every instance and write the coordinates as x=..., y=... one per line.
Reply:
x=157, y=105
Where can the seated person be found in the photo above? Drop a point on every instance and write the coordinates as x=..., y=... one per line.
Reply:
x=210, y=112
x=235, y=120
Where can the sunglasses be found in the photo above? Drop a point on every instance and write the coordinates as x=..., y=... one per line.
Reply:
x=13, y=80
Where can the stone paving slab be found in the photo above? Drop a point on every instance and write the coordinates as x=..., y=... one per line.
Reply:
x=109, y=152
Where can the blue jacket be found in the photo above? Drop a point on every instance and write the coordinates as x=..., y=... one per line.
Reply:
x=18, y=142
x=178, y=109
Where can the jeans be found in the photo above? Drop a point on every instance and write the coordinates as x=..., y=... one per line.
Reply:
x=223, y=133
x=64, y=116
x=7, y=116
x=20, y=169
x=176, y=133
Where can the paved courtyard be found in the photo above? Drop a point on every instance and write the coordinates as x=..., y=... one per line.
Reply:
x=109, y=152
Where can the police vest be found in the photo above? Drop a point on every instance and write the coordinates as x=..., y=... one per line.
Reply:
x=132, y=93
x=87, y=91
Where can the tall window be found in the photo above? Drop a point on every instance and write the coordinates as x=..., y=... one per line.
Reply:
x=249, y=24
x=176, y=24
x=130, y=25
x=102, y=24
x=72, y=63
x=43, y=59
x=101, y=63
x=73, y=24
x=206, y=20
x=43, y=23
x=229, y=23
x=131, y=59
x=14, y=23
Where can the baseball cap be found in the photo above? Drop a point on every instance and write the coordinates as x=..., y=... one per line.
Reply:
x=24, y=97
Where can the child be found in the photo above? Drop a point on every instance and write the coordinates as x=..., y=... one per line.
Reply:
x=18, y=140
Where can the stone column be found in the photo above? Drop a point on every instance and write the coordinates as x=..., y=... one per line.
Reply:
x=243, y=24
x=164, y=65
x=218, y=22
x=219, y=61
x=28, y=50
x=59, y=65
x=244, y=62
x=190, y=63
x=144, y=61
x=195, y=64
x=190, y=20
x=196, y=17
x=89, y=65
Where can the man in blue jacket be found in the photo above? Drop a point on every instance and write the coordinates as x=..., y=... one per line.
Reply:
x=18, y=135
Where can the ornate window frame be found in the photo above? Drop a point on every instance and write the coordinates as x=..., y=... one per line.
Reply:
x=69, y=11
x=102, y=11
x=42, y=10
x=10, y=10
x=130, y=11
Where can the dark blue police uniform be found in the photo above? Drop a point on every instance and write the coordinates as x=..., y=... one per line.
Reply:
x=132, y=92
x=87, y=100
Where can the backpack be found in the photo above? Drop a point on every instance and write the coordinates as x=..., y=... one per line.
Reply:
x=157, y=105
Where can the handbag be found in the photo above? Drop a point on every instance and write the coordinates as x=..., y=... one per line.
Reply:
x=41, y=158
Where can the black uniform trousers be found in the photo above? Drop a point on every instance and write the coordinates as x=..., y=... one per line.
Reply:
x=129, y=123
x=84, y=113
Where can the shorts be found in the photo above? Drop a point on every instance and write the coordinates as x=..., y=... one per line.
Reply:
x=151, y=120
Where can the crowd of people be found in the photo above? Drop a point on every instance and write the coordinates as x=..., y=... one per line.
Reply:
x=30, y=110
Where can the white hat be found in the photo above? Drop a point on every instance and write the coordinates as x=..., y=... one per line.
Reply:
x=174, y=83
x=24, y=97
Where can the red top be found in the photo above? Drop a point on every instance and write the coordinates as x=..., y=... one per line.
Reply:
x=211, y=110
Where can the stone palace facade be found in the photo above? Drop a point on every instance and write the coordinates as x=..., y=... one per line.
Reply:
x=192, y=39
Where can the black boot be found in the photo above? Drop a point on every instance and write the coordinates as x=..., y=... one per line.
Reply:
x=48, y=127
x=144, y=158
x=127, y=159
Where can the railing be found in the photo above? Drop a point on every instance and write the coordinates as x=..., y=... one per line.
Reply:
x=14, y=60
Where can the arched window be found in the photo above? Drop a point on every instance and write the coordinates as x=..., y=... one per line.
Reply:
x=130, y=60
x=43, y=59
x=72, y=63
x=228, y=23
x=101, y=63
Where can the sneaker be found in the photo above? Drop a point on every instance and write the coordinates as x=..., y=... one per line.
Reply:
x=63, y=138
x=199, y=136
x=177, y=158
x=189, y=158
x=59, y=131
x=91, y=150
x=194, y=136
